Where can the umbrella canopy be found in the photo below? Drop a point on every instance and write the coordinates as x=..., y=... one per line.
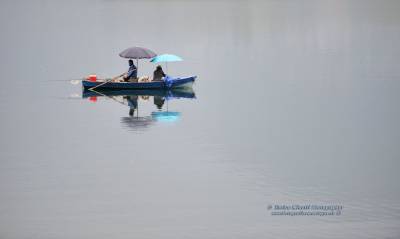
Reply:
x=166, y=58
x=137, y=53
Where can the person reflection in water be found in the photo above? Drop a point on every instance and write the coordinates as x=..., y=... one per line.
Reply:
x=159, y=102
x=132, y=102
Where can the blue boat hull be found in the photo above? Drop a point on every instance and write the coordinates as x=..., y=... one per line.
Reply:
x=171, y=93
x=172, y=83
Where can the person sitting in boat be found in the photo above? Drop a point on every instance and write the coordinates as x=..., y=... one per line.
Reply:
x=132, y=72
x=158, y=74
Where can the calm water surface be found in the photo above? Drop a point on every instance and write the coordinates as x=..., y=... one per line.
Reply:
x=296, y=102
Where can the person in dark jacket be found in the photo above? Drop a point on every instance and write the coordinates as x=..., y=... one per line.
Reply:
x=132, y=72
x=158, y=74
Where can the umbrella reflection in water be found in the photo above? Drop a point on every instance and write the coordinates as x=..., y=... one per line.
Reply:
x=166, y=116
x=137, y=123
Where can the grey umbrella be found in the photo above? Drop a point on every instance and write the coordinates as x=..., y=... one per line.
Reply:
x=137, y=53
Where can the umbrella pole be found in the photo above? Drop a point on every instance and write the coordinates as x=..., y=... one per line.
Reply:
x=137, y=68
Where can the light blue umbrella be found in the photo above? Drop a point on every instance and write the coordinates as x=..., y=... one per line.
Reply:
x=166, y=58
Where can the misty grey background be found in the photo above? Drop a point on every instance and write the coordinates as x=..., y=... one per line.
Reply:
x=297, y=102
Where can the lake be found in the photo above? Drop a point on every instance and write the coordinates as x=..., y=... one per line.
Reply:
x=296, y=103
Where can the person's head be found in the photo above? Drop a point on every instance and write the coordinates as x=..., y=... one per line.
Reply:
x=130, y=62
x=159, y=68
x=159, y=105
x=131, y=111
x=159, y=102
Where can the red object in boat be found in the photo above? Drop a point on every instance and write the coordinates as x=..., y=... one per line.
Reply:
x=92, y=77
x=93, y=98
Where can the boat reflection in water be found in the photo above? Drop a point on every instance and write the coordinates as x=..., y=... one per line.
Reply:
x=132, y=98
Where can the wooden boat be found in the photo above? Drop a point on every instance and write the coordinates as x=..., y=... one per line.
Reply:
x=169, y=83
